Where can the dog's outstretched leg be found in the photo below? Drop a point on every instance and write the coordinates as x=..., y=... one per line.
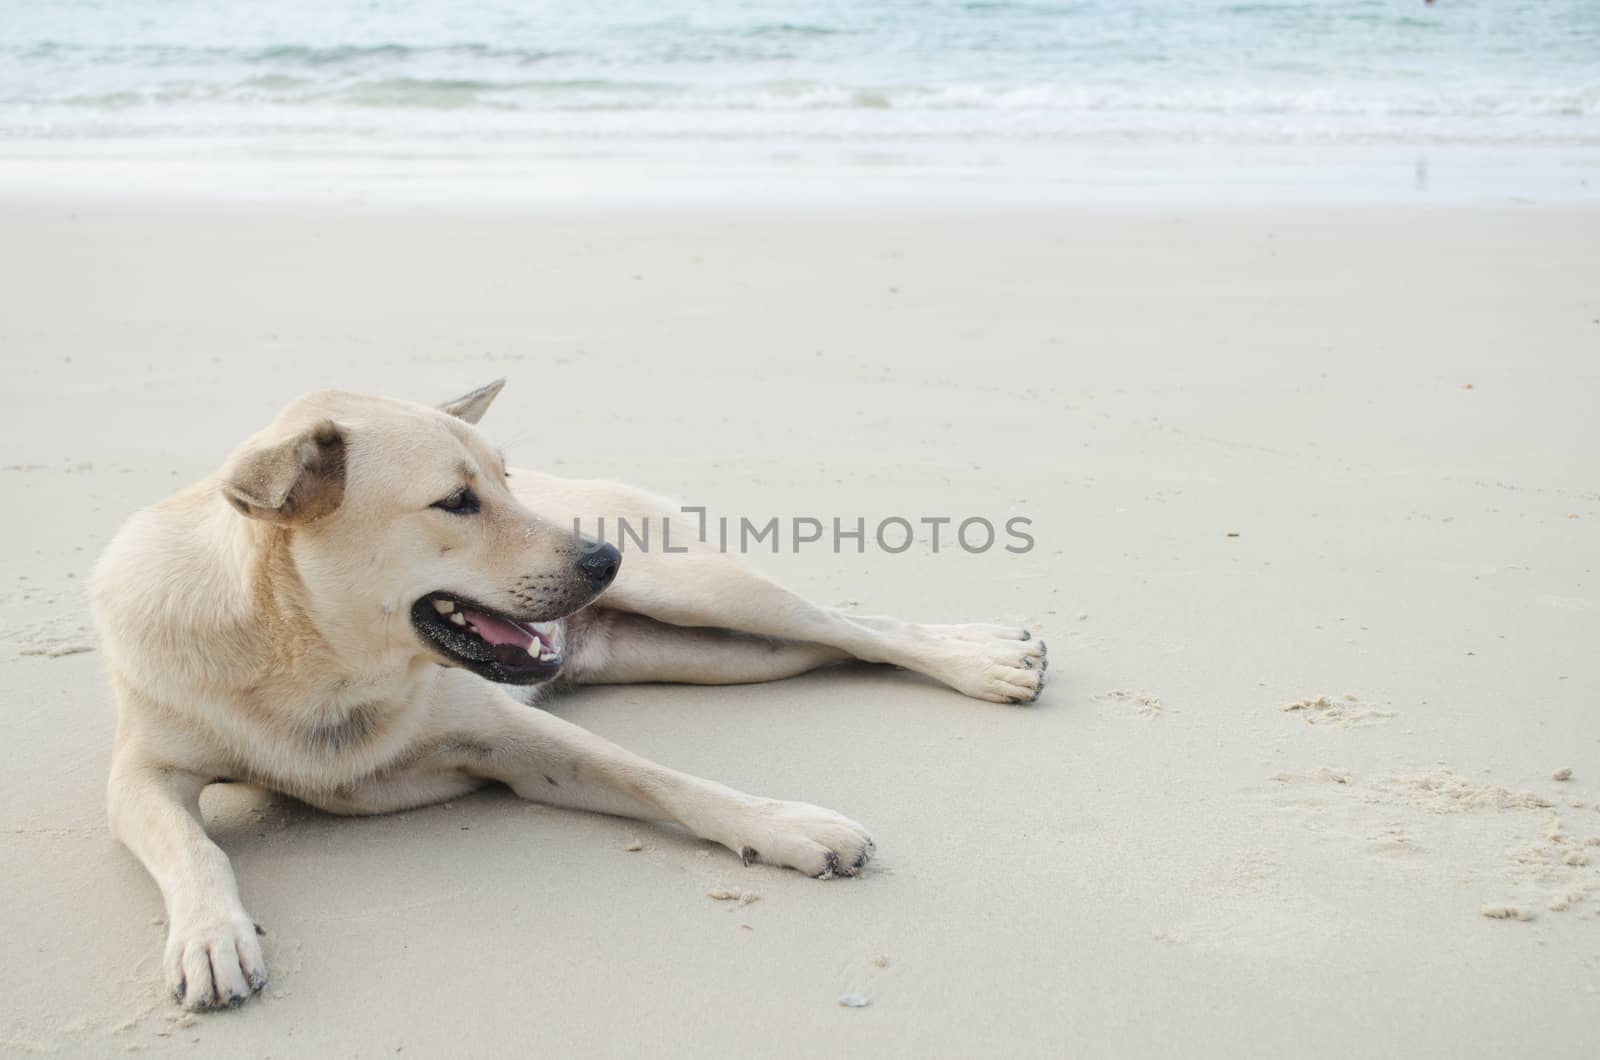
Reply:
x=486, y=733
x=1003, y=664
x=212, y=956
x=705, y=587
x=618, y=647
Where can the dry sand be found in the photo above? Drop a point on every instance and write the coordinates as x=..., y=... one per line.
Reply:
x=1269, y=457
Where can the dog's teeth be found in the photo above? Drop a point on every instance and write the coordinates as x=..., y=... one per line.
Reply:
x=444, y=607
x=458, y=618
x=546, y=656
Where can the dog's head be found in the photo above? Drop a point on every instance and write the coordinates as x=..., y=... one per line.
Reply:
x=404, y=534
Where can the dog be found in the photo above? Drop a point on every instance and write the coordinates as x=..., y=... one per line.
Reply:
x=342, y=613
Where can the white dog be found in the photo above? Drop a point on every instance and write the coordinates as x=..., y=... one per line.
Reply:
x=334, y=616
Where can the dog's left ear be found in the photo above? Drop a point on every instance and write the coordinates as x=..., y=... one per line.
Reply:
x=294, y=481
x=471, y=407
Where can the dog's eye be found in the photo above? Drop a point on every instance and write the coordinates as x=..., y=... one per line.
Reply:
x=462, y=502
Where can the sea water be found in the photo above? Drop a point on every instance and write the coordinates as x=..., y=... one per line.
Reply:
x=973, y=86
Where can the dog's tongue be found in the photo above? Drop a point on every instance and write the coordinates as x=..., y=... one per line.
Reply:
x=499, y=631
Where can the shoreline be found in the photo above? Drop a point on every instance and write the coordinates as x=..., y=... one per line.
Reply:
x=842, y=177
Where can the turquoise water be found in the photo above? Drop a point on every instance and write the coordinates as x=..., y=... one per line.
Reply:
x=1475, y=72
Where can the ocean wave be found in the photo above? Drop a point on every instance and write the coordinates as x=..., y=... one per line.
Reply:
x=600, y=94
x=158, y=56
x=706, y=51
x=792, y=29
x=345, y=54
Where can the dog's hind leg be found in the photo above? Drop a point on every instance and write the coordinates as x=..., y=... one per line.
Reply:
x=617, y=647
x=1003, y=664
x=703, y=587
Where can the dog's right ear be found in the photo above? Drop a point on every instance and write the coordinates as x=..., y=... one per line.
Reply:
x=471, y=407
x=293, y=481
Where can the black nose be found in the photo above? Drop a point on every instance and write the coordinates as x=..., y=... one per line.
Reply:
x=599, y=563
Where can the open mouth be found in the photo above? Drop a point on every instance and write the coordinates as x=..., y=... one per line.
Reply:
x=490, y=643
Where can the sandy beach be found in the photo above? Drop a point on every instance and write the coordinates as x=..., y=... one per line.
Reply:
x=1315, y=502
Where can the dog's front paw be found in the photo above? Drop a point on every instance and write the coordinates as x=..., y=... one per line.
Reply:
x=214, y=961
x=817, y=842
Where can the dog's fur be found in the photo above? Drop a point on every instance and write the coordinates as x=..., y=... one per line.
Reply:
x=275, y=624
